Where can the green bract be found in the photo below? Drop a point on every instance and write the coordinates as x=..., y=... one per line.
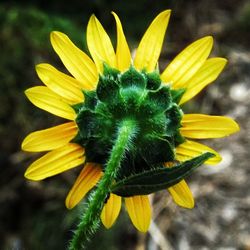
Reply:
x=140, y=99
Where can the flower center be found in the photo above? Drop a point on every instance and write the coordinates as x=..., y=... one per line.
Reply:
x=134, y=96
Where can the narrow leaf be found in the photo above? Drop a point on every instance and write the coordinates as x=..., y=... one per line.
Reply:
x=157, y=179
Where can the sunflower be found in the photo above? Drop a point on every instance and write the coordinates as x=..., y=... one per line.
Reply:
x=112, y=85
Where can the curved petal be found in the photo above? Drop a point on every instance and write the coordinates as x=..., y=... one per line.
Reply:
x=111, y=210
x=75, y=60
x=207, y=126
x=139, y=211
x=99, y=44
x=86, y=180
x=182, y=195
x=190, y=149
x=208, y=72
x=150, y=46
x=187, y=63
x=45, y=99
x=55, y=162
x=60, y=83
x=51, y=138
x=123, y=56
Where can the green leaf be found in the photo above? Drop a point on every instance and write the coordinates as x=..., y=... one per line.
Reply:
x=157, y=179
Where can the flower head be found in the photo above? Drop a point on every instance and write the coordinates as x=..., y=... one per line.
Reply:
x=112, y=89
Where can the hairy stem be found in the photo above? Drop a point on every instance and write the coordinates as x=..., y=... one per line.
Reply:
x=91, y=218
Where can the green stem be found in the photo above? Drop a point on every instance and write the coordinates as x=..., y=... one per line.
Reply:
x=91, y=218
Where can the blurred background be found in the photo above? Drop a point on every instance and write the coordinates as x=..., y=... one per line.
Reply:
x=33, y=215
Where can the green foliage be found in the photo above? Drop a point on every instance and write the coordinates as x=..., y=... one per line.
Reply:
x=130, y=96
x=90, y=220
x=157, y=179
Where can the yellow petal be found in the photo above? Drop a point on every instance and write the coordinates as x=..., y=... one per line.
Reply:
x=86, y=180
x=208, y=72
x=150, y=46
x=111, y=210
x=191, y=149
x=75, y=60
x=182, y=195
x=45, y=99
x=60, y=83
x=99, y=44
x=123, y=55
x=139, y=211
x=187, y=63
x=51, y=138
x=169, y=164
x=207, y=126
x=55, y=162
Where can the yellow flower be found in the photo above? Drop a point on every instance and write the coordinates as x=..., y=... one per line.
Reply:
x=190, y=70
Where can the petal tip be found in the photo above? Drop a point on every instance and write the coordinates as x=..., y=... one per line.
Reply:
x=225, y=60
x=236, y=126
x=55, y=35
x=187, y=203
x=92, y=17
x=68, y=204
x=167, y=12
x=106, y=225
x=144, y=230
x=190, y=205
x=115, y=15
x=222, y=63
x=27, y=92
x=215, y=160
x=209, y=39
x=38, y=66
x=28, y=175
x=41, y=66
x=24, y=145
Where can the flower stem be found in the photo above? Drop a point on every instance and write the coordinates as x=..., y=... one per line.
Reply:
x=91, y=218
